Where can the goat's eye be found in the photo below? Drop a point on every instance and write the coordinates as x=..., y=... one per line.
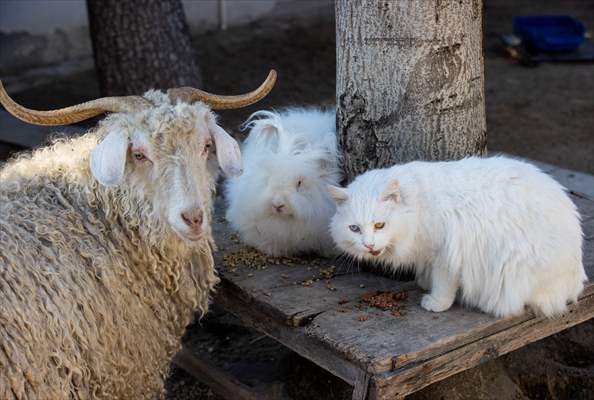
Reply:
x=355, y=228
x=138, y=156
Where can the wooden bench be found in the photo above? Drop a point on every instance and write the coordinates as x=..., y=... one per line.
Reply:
x=317, y=311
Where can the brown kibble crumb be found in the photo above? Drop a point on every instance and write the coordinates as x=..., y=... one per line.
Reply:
x=327, y=273
x=343, y=301
x=249, y=257
x=363, y=318
x=385, y=300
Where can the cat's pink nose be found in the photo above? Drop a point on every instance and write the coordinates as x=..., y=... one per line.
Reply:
x=369, y=246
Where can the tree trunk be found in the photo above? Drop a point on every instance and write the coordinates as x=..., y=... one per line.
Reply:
x=141, y=44
x=410, y=81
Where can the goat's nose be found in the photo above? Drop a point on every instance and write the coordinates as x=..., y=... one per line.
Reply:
x=193, y=217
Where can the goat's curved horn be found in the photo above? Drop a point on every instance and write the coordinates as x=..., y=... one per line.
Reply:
x=72, y=114
x=218, y=102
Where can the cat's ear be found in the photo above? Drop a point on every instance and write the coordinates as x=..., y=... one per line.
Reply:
x=340, y=195
x=391, y=192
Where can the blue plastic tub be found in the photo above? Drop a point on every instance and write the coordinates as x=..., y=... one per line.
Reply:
x=549, y=33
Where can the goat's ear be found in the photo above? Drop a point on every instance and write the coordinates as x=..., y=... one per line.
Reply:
x=391, y=192
x=228, y=153
x=108, y=158
x=340, y=195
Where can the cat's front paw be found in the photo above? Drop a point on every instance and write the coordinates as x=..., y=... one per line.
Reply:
x=430, y=303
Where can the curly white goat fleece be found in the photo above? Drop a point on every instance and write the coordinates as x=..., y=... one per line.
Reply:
x=280, y=205
x=497, y=230
x=106, y=244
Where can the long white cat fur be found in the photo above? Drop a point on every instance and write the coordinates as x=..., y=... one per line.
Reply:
x=496, y=231
x=280, y=204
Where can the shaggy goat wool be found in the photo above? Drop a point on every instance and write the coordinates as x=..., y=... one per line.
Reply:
x=95, y=294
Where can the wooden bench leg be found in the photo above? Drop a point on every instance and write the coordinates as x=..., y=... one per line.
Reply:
x=219, y=381
x=361, y=386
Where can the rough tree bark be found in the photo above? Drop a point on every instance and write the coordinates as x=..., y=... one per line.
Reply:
x=410, y=81
x=141, y=44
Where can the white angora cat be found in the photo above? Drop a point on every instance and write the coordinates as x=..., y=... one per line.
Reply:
x=280, y=204
x=497, y=231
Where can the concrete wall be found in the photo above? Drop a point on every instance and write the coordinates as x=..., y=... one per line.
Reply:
x=37, y=35
x=45, y=16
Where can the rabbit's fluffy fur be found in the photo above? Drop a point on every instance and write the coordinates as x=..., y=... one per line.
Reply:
x=497, y=231
x=280, y=204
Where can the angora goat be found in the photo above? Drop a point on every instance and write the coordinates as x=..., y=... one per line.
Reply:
x=106, y=244
x=280, y=204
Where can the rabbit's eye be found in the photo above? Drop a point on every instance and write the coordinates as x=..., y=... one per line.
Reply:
x=355, y=228
x=207, y=147
x=299, y=182
x=379, y=225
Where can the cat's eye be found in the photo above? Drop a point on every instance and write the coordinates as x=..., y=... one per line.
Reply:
x=355, y=228
x=379, y=225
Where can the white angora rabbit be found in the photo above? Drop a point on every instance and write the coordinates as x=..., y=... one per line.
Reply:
x=280, y=204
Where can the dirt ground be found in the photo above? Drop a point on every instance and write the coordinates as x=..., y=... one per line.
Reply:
x=544, y=113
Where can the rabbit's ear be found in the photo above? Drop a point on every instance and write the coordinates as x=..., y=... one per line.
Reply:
x=265, y=127
x=267, y=133
x=108, y=158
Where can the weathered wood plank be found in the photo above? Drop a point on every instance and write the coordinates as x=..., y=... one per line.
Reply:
x=585, y=206
x=396, y=384
x=300, y=303
x=218, y=380
x=292, y=337
x=361, y=386
x=575, y=181
x=320, y=320
x=384, y=342
x=375, y=344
